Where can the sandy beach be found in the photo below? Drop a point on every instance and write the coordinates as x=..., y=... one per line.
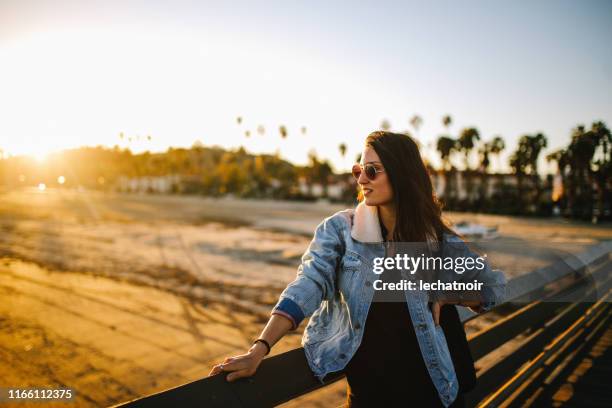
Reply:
x=119, y=296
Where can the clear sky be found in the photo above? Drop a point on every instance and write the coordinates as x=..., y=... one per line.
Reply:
x=80, y=72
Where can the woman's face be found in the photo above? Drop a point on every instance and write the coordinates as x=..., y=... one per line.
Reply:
x=377, y=191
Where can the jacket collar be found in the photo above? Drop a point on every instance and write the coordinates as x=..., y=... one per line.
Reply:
x=366, y=227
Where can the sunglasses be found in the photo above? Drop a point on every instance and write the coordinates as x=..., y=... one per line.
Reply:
x=370, y=171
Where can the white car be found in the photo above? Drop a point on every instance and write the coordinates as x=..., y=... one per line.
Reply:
x=473, y=230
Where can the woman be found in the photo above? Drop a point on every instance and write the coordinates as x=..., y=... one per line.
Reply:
x=394, y=353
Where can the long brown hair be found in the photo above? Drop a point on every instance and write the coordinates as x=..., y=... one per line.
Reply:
x=418, y=213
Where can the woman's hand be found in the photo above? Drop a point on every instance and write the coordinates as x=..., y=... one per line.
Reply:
x=243, y=365
x=246, y=364
x=437, y=306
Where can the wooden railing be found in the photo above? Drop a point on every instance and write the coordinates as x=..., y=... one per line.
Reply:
x=555, y=308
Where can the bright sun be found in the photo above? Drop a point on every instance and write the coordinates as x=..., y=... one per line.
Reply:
x=40, y=152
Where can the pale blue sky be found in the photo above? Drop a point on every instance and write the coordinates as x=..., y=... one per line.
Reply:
x=76, y=72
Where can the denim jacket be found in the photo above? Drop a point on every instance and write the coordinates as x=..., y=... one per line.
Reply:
x=334, y=285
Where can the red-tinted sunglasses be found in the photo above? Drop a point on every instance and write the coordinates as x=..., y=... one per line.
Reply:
x=370, y=171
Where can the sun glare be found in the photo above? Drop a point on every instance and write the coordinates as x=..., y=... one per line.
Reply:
x=171, y=80
x=39, y=156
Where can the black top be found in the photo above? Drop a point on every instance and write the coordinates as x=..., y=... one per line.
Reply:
x=388, y=368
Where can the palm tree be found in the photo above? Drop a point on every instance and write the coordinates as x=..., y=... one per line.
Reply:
x=283, y=131
x=484, y=151
x=467, y=139
x=446, y=147
x=603, y=165
x=603, y=138
x=342, y=148
x=385, y=124
x=525, y=161
x=497, y=145
x=581, y=151
x=416, y=121
x=536, y=142
x=447, y=120
x=518, y=162
x=466, y=142
x=585, y=163
x=310, y=171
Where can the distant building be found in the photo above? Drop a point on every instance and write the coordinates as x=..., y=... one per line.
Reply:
x=150, y=184
x=495, y=182
x=336, y=188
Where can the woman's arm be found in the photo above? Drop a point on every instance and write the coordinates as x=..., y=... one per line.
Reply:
x=314, y=282
x=316, y=275
x=245, y=365
x=493, y=281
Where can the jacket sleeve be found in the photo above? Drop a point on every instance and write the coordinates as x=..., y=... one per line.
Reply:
x=493, y=281
x=316, y=275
